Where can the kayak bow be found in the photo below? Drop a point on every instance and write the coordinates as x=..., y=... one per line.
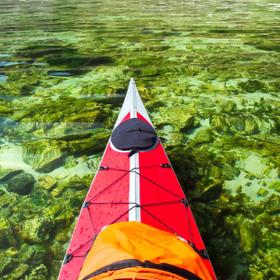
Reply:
x=135, y=183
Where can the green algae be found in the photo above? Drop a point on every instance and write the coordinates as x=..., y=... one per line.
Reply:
x=210, y=81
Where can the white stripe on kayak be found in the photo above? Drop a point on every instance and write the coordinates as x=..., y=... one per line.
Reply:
x=134, y=189
x=134, y=180
x=132, y=99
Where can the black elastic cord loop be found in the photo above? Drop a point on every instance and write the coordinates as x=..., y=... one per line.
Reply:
x=132, y=152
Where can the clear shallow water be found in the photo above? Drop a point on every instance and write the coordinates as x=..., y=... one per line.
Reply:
x=208, y=72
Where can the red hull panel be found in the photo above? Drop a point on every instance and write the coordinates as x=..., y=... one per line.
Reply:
x=166, y=205
x=109, y=185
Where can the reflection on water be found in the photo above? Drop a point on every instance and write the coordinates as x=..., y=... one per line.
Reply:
x=208, y=72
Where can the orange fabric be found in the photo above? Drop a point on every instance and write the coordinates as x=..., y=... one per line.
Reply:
x=134, y=240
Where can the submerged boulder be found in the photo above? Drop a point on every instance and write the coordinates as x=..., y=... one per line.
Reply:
x=6, y=233
x=204, y=135
x=19, y=272
x=39, y=273
x=251, y=126
x=36, y=230
x=6, y=264
x=31, y=254
x=22, y=183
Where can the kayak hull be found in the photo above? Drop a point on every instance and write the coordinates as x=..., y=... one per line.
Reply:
x=138, y=185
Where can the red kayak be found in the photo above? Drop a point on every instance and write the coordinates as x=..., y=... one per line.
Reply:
x=135, y=182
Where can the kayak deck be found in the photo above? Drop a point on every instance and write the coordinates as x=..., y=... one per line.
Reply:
x=132, y=187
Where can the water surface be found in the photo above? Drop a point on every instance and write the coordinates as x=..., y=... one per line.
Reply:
x=208, y=72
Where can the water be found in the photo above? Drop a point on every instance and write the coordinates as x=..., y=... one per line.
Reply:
x=208, y=72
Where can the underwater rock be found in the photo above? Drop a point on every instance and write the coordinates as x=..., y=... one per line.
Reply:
x=6, y=264
x=204, y=135
x=6, y=174
x=253, y=85
x=251, y=126
x=22, y=183
x=36, y=230
x=149, y=71
x=62, y=236
x=236, y=123
x=43, y=155
x=47, y=182
x=210, y=193
x=7, y=201
x=39, y=273
x=247, y=236
x=19, y=272
x=227, y=106
x=31, y=254
x=181, y=118
x=94, y=144
x=229, y=172
x=84, y=118
x=6, y=233
x=93, y=162
x=70, y=162
x=219, y=124
x=262, y=192
x=56, y=248
x=265, y=265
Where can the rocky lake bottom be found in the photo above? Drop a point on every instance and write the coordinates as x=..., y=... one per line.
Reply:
x=208, y=73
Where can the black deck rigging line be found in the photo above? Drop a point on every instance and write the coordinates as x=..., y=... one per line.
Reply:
x=133, y=151
x=142, y=205
x=158, y=185
x=189, y=226
x=203, y=253
x=91, y=221
x=165, y=165
x=146, y=264
x=127, y=172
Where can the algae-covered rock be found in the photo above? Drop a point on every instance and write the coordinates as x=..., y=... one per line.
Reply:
x=94, y=144
x=19, y=272
x=6, y=264
x=74, y=182
x=36, y=230
x=181, y=117
x=56, y=248
x=229, y=172
x=204, y=135
x=227, y=106
x=22, y=183
x=253, y=85
x=251, y=126
x=31, y=254
x=6, y=174
x=39, y=273
x=212, y=192
x=262, y=192
x=219, y=124
x=47, y=182
x=43, y=155
x=6, y=233
x=236, y=123
x=70, y=162
x=247, y=236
